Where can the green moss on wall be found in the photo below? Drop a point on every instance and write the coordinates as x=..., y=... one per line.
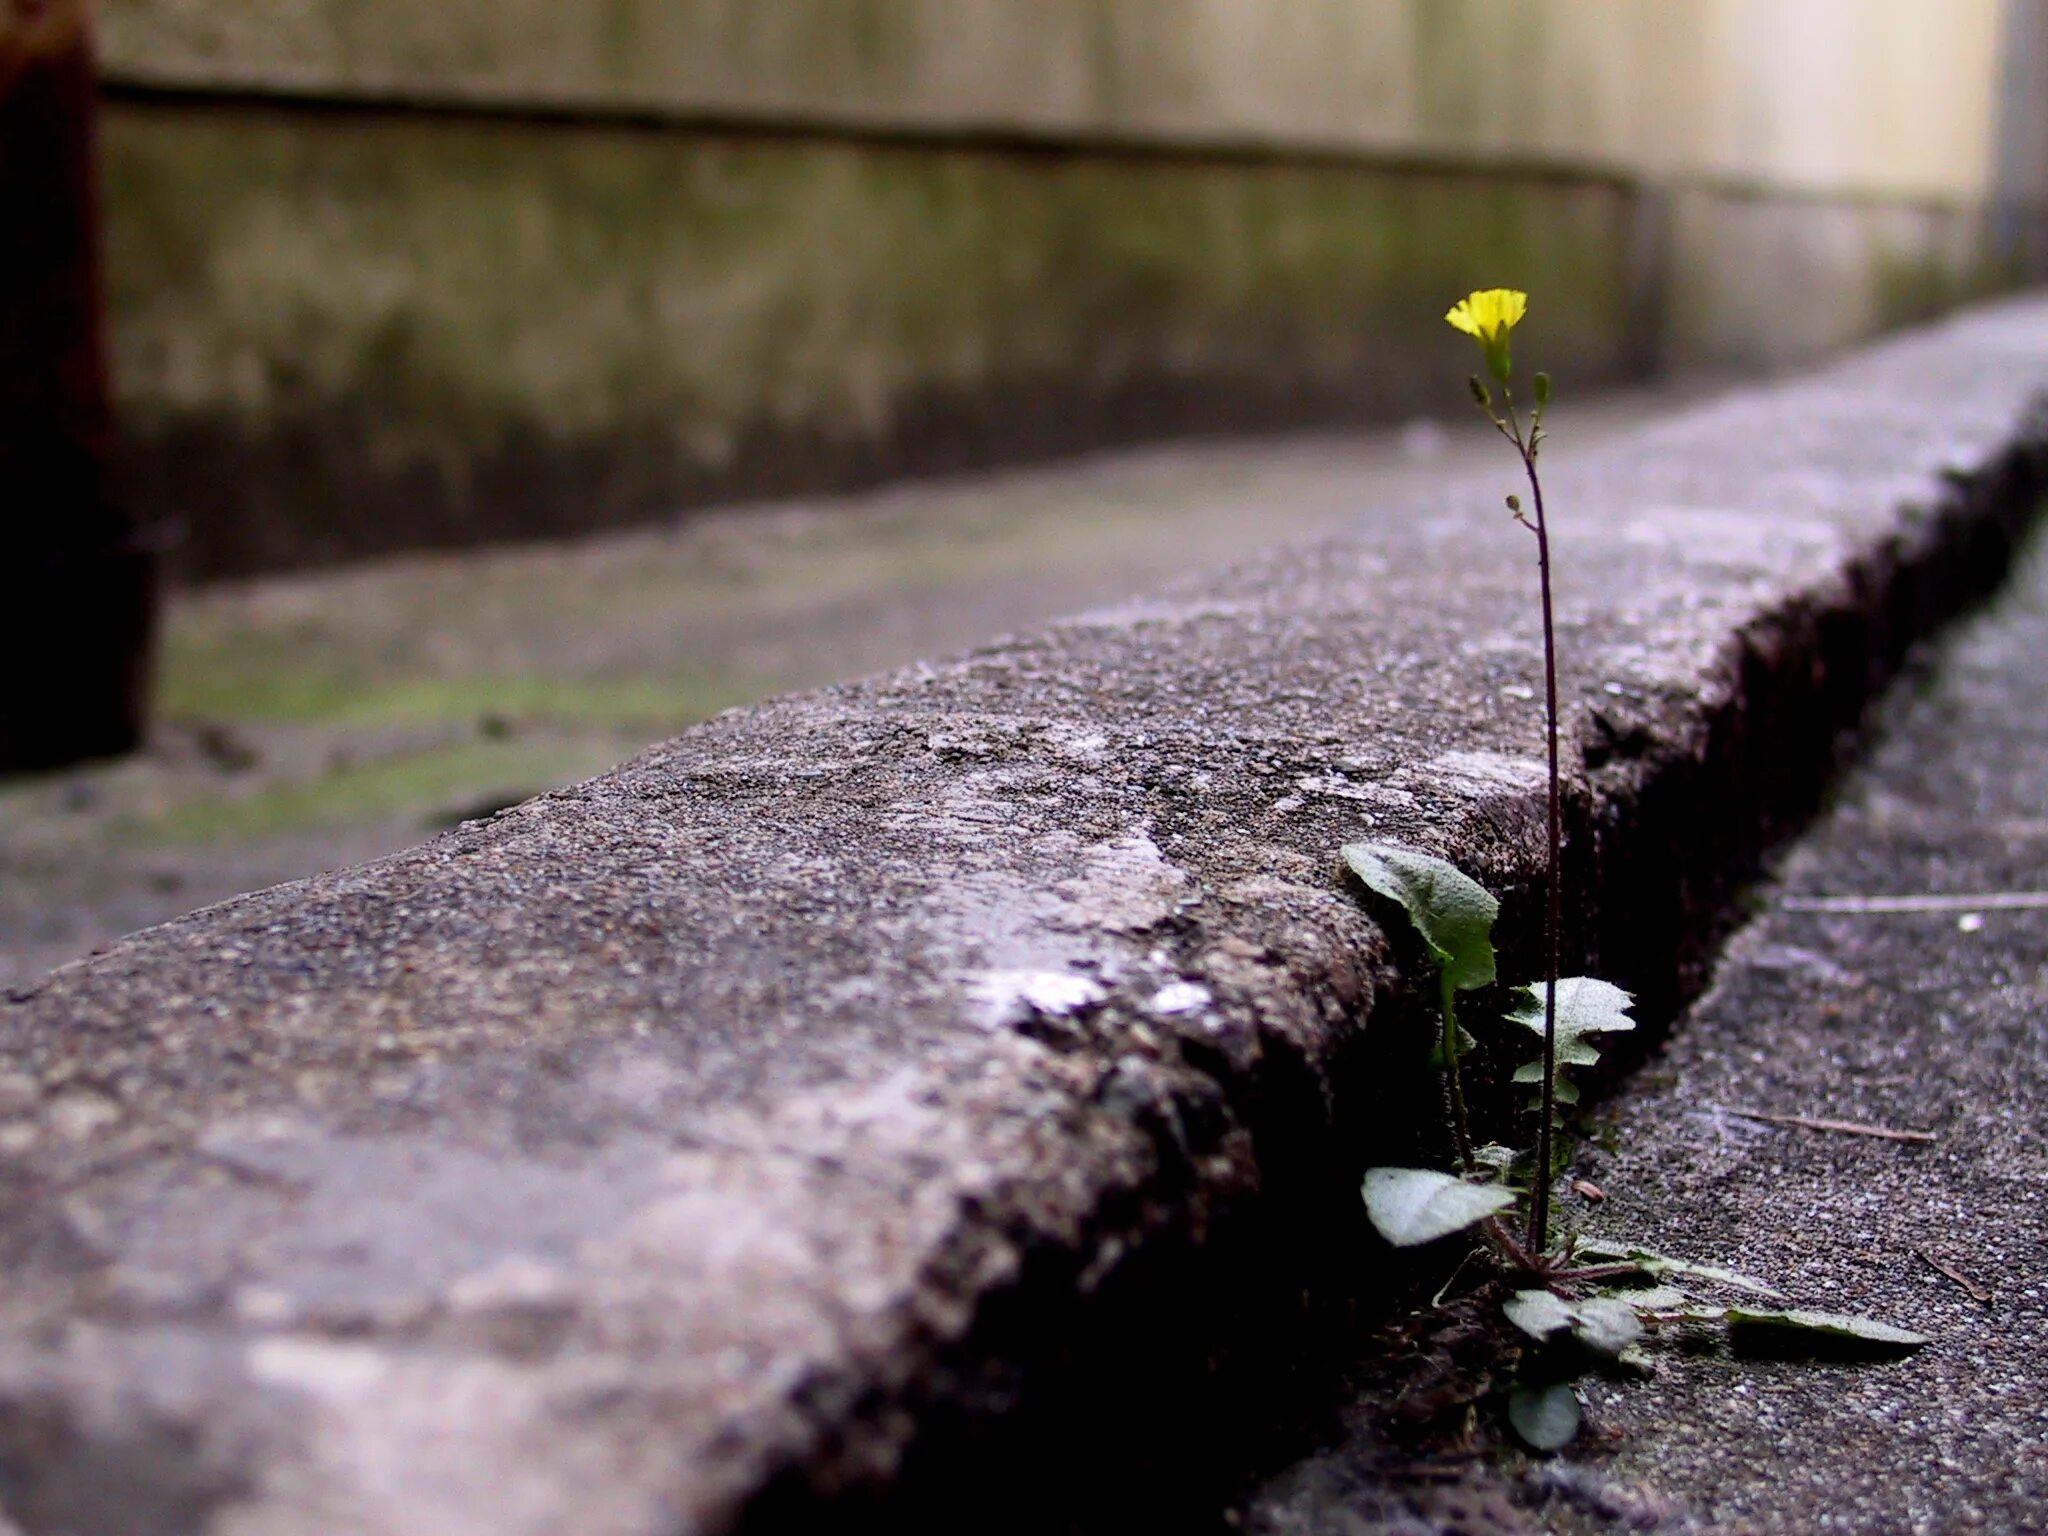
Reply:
x=335, y=335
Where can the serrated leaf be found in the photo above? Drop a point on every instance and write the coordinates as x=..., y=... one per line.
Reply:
x=1418, y=1205
x=1566, y=1092
x=1828, y=1335
x=1540, y=1314
x=1657, y=1266
x=1571, y=1052
x=1501, y=1160
x=1453, y=912
x=1545, y=1418
x=1586, y=1005
x=1606, y=1325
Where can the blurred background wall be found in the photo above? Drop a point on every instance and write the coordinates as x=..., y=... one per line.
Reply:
x=388, y=274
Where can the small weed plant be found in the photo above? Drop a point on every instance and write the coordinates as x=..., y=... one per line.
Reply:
x=1581, y=1305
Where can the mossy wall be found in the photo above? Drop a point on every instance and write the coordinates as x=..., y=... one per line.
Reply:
x=387, y=275
x=337, y=336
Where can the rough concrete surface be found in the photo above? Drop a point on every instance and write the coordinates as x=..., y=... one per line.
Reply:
x=707, y=1144
x=308, y=721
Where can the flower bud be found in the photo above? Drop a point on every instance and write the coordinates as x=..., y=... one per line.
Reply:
x=1542, y=390
x=1481, y=395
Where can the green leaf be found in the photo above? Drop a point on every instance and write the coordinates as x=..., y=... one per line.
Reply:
x=1467, y=1044
x=1586, y=1005
x=1453, y=912
x=1545, y=1418
x=1570, y=1053
x=1497, y=1159
x=1418, y=1205
x=1540, y=1314
x=1653, y=1298
x=1656, y=1266
x=1702, y=1314
x=1606, y=1325
x=1793, y=1333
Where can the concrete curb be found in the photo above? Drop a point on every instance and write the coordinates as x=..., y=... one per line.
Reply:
x=933, y=1097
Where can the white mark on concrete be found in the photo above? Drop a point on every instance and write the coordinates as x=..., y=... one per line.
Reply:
x=1336, y=787
x=1178, y=997
x=1329, y=784
x=1007, y=996
x=1088, y=748
x=77, y=1114
x=1484, y=771
x=517, y=1282
x=1124, y=885
x=320, y=1368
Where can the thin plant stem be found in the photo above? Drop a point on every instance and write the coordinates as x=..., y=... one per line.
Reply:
x=1508, y=422
x=1461, y=1124
x=1505, y=1242
x=1592, y=1272
x=1539, y=1201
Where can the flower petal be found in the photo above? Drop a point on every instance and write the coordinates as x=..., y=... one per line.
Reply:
x=1488, y=314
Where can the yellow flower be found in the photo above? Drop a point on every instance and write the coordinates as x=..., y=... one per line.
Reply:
x=1487, y=315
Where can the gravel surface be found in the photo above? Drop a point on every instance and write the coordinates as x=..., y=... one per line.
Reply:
x=1931, y=1019
x=1897, y=980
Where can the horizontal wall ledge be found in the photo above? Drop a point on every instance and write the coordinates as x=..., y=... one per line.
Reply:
x=933, y=1096
x=1225, y=145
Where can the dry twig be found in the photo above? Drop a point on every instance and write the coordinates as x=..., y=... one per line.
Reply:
x=1976, y=1291
x=1985, y=901
x=1844, y=1127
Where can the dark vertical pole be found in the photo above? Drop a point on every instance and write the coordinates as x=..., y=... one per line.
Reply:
x=77, y=580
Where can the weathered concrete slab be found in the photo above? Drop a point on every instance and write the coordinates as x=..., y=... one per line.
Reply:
x=751, y=1126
